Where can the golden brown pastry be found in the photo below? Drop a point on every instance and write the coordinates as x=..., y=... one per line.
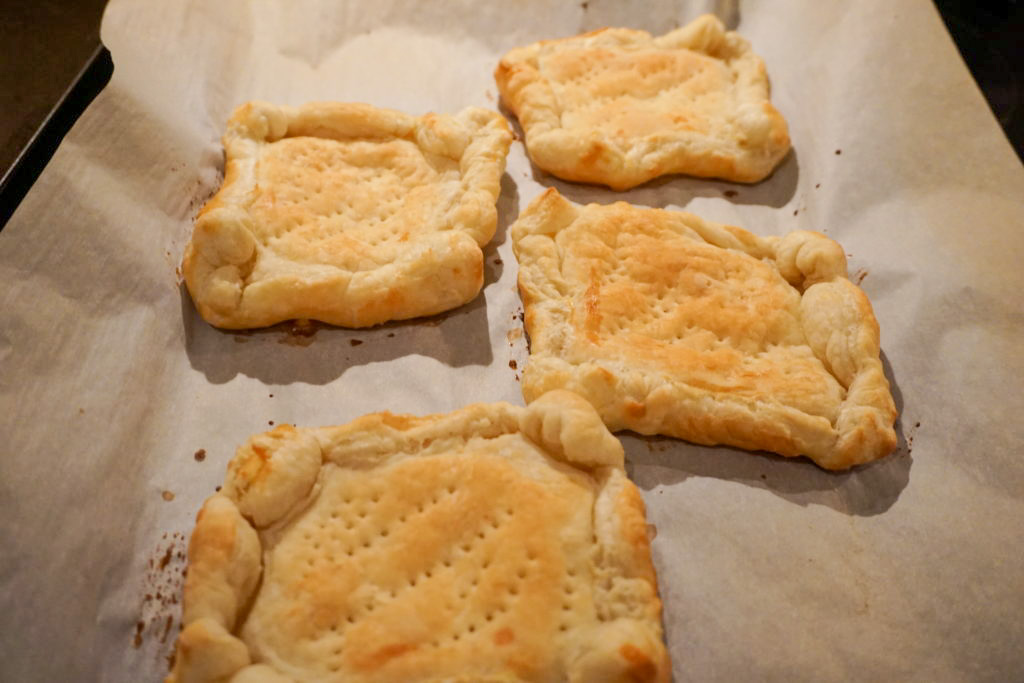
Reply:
x=618, y=107
x=494, y=543
x=669, y=324
x=346, y=213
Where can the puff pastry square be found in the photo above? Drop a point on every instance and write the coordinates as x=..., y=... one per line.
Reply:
x=494, y=543
x=346, y=213
x=669, y=324
x=618, y=107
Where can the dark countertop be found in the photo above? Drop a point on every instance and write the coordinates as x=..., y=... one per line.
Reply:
x=48, y=44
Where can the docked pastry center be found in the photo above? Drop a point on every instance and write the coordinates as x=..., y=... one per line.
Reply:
x=349, y=204
x=438, y=557
x=638, y=94
x=716, y=319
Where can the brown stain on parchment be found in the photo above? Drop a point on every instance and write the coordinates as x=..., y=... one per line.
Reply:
x=163, y=583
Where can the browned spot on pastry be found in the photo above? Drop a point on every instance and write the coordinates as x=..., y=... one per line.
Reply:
x=512, y=364
x=641, y=668
x=637, y=410
x=300, y=333
x=381, y=656
x=355, y=342
x=593, y=154
x=200, y=455
x=731, y=193
x=168, y=496
x=504, y=636
x=303, y=328
x=398, y=421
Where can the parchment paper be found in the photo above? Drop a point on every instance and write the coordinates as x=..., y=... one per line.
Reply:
x=120, y=408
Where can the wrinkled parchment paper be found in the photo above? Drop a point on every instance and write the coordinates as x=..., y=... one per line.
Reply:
x=119, y=407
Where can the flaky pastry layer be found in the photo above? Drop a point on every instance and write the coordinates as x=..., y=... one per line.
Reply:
x=346, y=213
x=670, y=324
x=619, y=107
x=494, y=543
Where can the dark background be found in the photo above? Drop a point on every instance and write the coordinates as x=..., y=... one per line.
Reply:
x=53, y=65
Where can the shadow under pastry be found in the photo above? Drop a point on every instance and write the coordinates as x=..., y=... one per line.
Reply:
x=863, y=491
